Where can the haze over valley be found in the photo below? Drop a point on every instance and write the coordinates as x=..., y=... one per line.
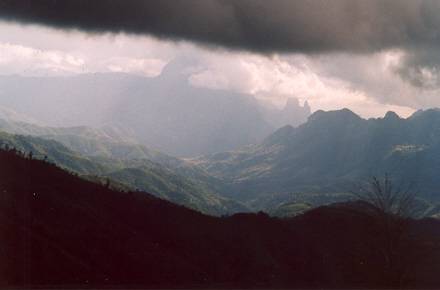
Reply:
x=219, y=144
x=164, y=112
x=276, y=171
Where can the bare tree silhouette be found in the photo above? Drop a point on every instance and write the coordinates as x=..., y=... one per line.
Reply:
x=388, y=199
x=392, y=209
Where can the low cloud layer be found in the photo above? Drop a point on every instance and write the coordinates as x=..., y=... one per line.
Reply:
x=369, y=79
x=254, y=25
x=366, y=84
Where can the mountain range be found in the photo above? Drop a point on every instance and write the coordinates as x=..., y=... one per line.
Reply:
x=293, y=169
x=332, y=152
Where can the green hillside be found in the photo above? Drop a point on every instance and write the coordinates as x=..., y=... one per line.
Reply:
x=139, y=174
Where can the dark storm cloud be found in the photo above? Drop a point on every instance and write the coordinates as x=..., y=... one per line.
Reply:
x=256, y=25
x=264, y=26
x=421, y=68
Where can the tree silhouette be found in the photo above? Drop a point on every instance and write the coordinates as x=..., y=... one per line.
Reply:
x=392, y=209
x=387, y=199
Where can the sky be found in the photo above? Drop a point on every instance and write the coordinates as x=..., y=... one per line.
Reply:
x=369, y=56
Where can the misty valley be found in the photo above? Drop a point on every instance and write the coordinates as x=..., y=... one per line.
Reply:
x=274, y=174
x=293, y=181
x=219, y=144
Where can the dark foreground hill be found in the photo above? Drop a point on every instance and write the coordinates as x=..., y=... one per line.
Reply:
x=57, y=230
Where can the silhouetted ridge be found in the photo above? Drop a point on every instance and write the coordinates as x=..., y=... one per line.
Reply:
x=57, y=230
x=280, y=135
x=390, y=115
x=432, y=114
x=343, y=115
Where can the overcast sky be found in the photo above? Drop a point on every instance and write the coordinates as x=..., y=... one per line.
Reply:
x=369, y=56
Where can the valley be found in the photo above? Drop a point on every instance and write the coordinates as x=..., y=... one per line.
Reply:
x=279, y=175
x=219, y=144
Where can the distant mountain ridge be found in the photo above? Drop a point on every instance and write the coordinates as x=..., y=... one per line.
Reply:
x=332, y=151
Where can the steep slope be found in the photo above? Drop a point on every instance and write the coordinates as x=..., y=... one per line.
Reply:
x=139, y=174
x=57, y=230
x=108, y=142
x=165, y=183
x=332, y=151
x=107, y=133
x=52, y=151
